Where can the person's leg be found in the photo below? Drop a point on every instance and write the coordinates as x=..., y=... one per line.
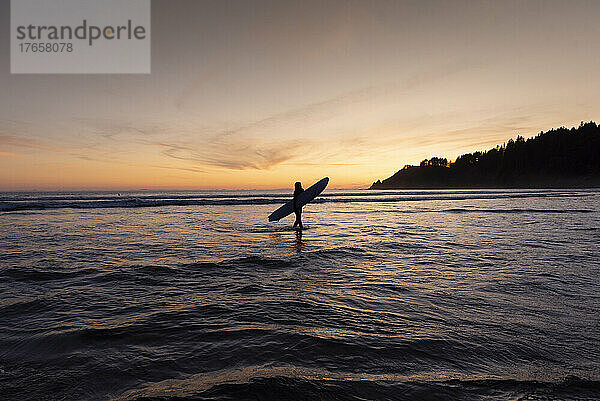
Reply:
x=299, y=218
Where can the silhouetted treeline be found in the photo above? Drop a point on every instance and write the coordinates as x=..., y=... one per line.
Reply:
x=558, y=158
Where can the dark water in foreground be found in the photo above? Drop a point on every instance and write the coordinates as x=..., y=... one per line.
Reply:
x=476, y=295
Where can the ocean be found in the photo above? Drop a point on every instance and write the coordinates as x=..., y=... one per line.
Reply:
x=399, y=295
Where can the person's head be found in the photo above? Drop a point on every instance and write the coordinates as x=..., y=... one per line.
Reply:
x=298, y=185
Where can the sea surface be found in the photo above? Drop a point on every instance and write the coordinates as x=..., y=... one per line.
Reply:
x=400, y=295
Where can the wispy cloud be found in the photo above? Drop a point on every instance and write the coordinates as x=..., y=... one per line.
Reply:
x=233, y=153
x=14, y=141
x=253, y=146
x=297, y=136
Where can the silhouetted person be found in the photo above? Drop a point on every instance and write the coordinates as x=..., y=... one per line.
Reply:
x=298, y=210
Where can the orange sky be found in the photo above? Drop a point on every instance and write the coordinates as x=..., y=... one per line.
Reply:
x=261, y=94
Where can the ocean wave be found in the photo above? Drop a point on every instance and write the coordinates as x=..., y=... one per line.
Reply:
x=308, y=383
x=336, y=252
x=149, y=274
x=14, y=204
x=130, y=203
x=158, y=195
x=517, y=210
x=36, y=274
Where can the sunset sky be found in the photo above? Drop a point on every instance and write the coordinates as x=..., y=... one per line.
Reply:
x=255, y=94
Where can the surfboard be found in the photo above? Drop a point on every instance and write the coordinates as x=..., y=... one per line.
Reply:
x=308, y=195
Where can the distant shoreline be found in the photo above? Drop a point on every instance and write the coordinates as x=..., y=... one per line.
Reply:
x=559, y=158
x=558, y=184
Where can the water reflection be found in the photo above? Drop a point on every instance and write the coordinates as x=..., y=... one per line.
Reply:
x=368, y=289
x=299, y=244
x=285, y=240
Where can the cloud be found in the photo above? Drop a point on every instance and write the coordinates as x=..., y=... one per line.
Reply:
x=249, y=146
x=294, y=136
x=255, y=145
x=115, y=129
x=235, y=154
x=297, y=136
x=13, y=141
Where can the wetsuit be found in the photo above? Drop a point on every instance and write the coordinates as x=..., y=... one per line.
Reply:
x=298, y=210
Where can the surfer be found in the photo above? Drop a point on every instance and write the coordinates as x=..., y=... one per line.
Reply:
x=301, y=198
x=298, y=210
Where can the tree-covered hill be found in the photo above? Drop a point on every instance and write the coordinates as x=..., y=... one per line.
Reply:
x=558, y=158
